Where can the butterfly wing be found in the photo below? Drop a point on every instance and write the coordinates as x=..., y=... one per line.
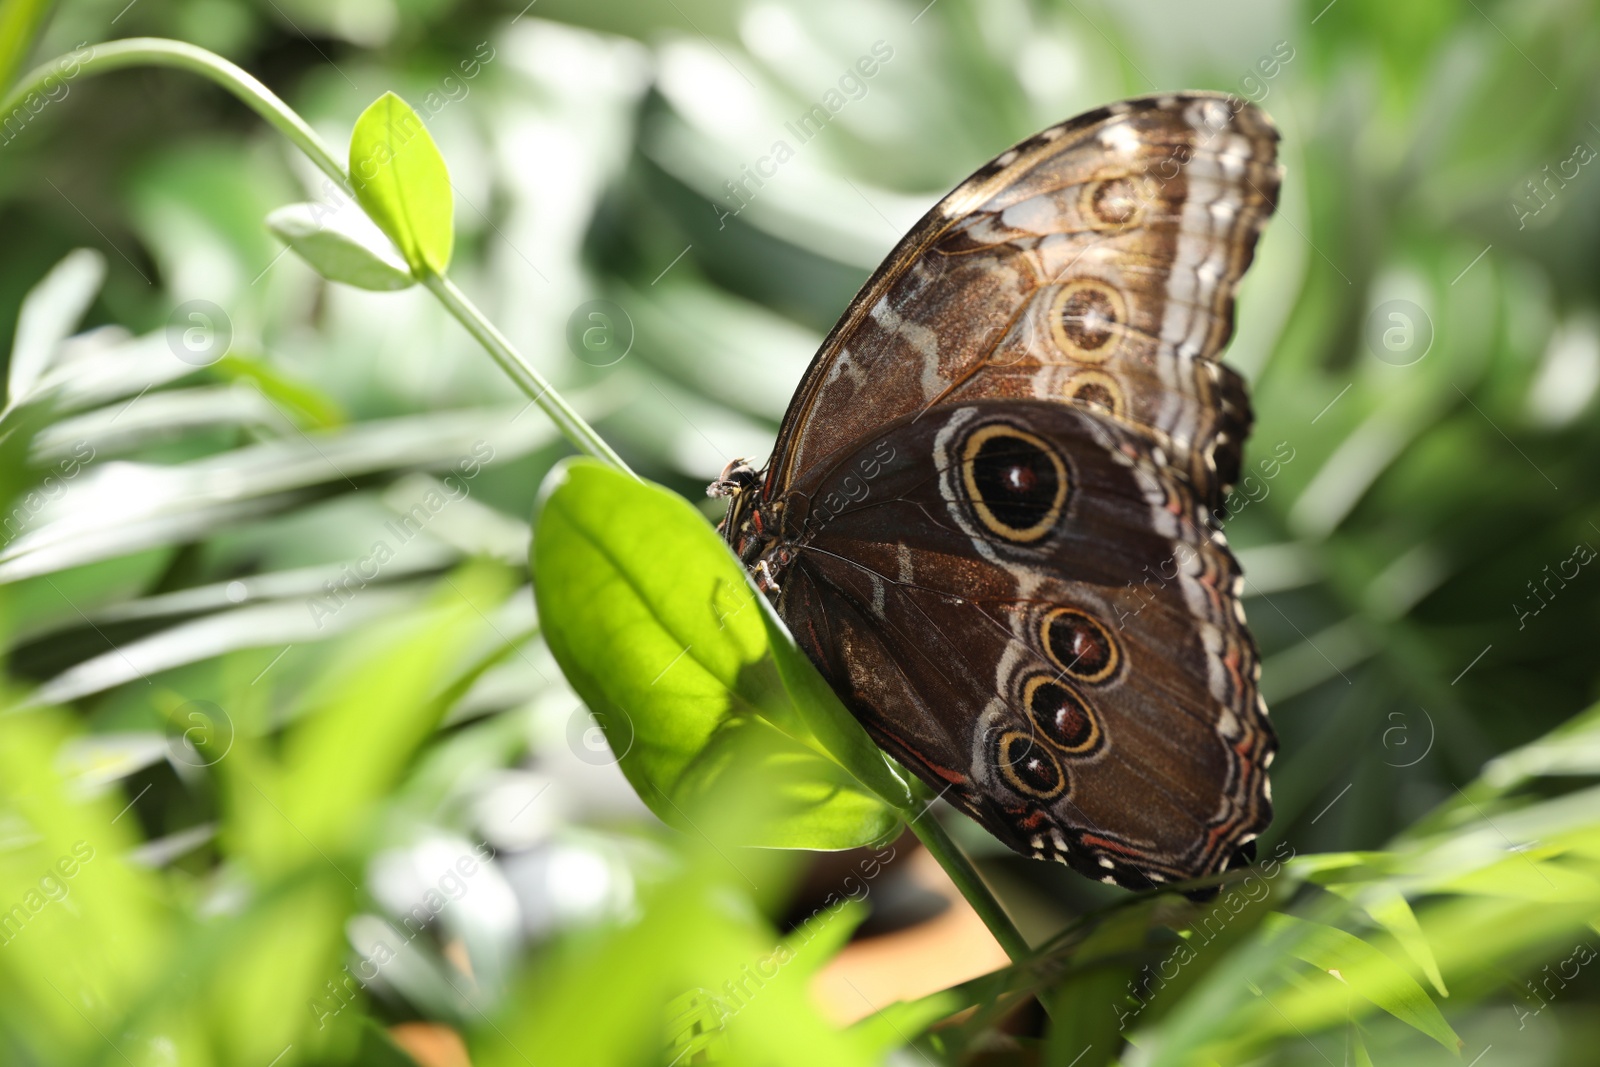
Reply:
x=1027, y=605
x=1094, y=263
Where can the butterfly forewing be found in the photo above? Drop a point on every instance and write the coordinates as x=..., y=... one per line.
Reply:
x=1095, y=263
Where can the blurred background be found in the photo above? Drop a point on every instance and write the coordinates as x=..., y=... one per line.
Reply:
x=211, y=452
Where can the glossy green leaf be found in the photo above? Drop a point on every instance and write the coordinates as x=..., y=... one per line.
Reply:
x=655, y=626
x=1367, y=971
x=337, y=249
x=400, y=178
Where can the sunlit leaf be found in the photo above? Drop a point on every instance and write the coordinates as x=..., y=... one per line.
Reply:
x=657, y=629
x=359, y=732
x=120, y=508
x=1359, y=1046
x=1390, y=909
x=401, y=180
x=80, y=927
x=1527, y=877
x=691, y=973
x=1366, y=970
x=303, y=403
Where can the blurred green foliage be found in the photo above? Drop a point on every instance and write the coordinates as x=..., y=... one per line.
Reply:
x=278, y=685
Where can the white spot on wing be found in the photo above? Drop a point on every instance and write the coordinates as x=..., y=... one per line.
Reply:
x=1120, y=137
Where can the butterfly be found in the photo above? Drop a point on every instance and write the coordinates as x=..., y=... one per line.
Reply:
x=992, y=514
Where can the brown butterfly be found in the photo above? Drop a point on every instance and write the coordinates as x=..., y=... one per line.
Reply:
x=990, y=518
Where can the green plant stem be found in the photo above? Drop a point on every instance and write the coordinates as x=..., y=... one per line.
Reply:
x=568, y=421
x=158, y=52
x=970, y=883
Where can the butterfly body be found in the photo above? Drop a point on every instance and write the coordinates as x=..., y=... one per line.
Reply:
x=990, y=515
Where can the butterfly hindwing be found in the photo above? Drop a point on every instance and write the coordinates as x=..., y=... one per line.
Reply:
x=1025, y=603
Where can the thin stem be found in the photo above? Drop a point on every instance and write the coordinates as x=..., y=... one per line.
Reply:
x=971, y=885
x=159, y=52
x=156, y=51
x=973, y=888
x=519, y=370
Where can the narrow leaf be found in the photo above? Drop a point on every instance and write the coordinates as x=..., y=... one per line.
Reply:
x=400, y=178
x=1367, y=971
x=1389, y=909
x=1359, y=1047
x=1093, y=1006
x=50, y=312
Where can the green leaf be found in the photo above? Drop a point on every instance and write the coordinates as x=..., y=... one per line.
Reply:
x=1527, y=875
x=356, y=734
x=93, y=944
x=1093, y=1005
x=828, y=719
x=331, y=242
x=50, y=312
x=1359, y=1047
x=654, y=624
x=699, y=977
x=303, y=403
x=1367, y=971
x=400, y=178
x=1389, y=909
x=20, y=21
